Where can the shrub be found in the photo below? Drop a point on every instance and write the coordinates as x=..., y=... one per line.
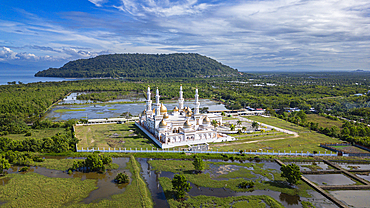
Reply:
x=121, y=178
x=24, y=169
x=247, y=184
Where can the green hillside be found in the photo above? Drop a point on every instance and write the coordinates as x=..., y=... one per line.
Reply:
x=141, y=65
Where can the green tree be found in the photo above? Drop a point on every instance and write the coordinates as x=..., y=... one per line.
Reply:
x=223, y=113
x=180, y=185
x=198, y=164
x=255, y=125
x=94, y=163
x=291, y=172
x=4, y=164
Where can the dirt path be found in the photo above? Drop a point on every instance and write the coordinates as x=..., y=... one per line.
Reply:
x=254, y=141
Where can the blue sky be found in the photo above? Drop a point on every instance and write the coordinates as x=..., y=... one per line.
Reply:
x=247, y=35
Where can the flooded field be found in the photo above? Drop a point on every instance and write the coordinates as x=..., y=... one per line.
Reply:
x=354, y=166
x=354, y=198
x=217, y=170
x=105, y=184
x=72, y=99
x=106, y=110
x=330, y=179
x=309, y=166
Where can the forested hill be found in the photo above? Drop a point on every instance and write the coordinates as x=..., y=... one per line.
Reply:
x=142, y=65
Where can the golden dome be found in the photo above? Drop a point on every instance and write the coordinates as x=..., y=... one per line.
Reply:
x=144, y=112
x=187, y=124
x=163, y=109
x=165, y=116
x=153, y=110
x=176, y=109
x=206, y=120
x=189, y=109
x=163, y=124
x=188, y=114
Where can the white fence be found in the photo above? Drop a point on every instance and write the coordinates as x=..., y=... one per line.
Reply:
x=174, y=150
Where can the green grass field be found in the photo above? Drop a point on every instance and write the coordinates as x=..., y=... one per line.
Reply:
x=112, y=136
x=306, y=141
x=36, y=133
x=324, y=122
x=34, y=190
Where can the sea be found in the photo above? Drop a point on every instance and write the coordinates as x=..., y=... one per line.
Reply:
x=25, y=76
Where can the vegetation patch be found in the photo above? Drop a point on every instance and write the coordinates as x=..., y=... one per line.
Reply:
x=57, y=164
x=67, y=110
x=34, y=190
x=275, y=183
x=211, y=201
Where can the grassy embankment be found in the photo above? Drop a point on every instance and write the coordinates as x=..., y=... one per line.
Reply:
x=235, y=177
x=34, y=190
x=306, y=141
x=65, y=164
x=323, y=121
x=112, y=136
x=37, y=133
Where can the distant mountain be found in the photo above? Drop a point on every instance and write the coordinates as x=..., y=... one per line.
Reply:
x=141, y=65
x=360, y=70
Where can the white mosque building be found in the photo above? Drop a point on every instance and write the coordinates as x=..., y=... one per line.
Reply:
x=181, y=127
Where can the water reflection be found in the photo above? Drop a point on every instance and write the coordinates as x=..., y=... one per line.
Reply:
x=101, y=111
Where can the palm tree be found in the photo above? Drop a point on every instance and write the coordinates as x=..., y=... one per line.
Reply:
x=214, y=123
x=239, y=122
x=223, y=113
x=244, y=128
x=255, y=125
x=232, y=127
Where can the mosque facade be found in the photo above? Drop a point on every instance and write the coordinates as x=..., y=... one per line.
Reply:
x=180, y=127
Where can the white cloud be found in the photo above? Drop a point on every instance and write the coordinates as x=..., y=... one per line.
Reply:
x=7, y=54
x=97, y=3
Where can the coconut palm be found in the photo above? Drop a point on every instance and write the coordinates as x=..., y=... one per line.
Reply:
x=214, y=123
x=239, y=122
x=255, y=125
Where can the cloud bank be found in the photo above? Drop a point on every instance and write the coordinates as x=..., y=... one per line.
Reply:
x=292, y=34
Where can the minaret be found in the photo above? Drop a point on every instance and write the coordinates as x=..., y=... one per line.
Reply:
x=157, y=105
x=181, y=100
x=148, y=101
x=196, y=103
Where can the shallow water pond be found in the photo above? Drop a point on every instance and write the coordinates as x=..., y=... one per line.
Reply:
x=101, y=111
x=353, y=198
x=307, y=166
x=330, y=179
x=354, y=166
